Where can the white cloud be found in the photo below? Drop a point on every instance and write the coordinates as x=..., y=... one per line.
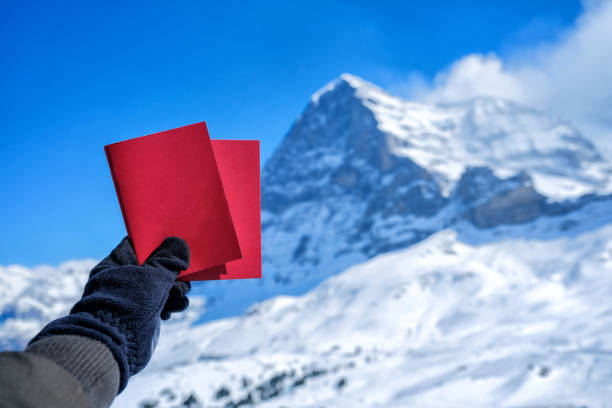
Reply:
x=571, y=77
x=471, y=76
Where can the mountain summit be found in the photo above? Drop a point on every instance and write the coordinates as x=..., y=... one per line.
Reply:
x=446, y=139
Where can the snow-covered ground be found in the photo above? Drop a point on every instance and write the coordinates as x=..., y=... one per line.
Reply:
x=515, y=323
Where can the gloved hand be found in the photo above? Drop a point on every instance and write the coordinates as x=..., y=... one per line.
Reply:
x=123, y=302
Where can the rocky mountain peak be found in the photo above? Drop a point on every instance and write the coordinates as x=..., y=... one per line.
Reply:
x=363, y=172
x=346, y=83
x=334, y=148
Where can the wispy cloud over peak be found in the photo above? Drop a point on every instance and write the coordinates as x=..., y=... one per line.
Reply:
x=570, y=77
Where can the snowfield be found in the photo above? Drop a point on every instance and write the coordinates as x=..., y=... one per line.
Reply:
x=514, y=323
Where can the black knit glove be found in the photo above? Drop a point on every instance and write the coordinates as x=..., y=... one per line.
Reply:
x=123, y=302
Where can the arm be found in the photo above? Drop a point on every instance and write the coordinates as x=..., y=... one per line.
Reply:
x=86, y=358
x=59, y=371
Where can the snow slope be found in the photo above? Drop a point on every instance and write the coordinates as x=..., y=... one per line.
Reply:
x=514, y=323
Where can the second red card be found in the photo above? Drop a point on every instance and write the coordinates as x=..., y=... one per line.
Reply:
x=238, y=162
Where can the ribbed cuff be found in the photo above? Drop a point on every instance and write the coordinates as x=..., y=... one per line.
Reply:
x=87, y=360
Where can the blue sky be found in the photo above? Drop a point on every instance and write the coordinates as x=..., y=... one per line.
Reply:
x=76, y=77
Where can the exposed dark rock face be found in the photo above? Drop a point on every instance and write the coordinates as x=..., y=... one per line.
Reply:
x=491, y=201
x=517, y=206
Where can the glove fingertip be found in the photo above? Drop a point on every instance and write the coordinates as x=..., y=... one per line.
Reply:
x=181, y=288
x=172, y=248
x=178, y=247
x=122, y=254
x=176, y=305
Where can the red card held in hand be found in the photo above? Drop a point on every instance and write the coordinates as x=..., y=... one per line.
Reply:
x=238, y=162
x=168, y=184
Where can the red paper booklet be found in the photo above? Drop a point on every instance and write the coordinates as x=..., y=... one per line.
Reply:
x=238, y=162
x=168, y=184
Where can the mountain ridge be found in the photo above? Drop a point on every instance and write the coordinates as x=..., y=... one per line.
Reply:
x=406, y=121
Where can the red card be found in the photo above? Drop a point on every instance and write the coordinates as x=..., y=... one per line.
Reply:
x=238, y=162
x=168, y=184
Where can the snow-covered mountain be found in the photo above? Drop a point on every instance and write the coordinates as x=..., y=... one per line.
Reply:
x=362, y=172
x=506, y=211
